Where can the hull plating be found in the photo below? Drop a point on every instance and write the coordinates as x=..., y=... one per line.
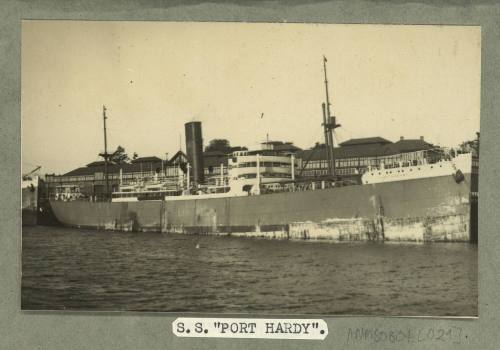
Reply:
x=431, y=209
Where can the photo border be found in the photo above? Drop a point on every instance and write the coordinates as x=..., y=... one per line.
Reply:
x=137, y=330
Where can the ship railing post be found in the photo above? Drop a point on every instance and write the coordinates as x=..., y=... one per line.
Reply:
x=221, y=174
x=180, y=177
x=258, y=170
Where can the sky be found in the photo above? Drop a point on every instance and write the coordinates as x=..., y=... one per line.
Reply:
x=384, y=80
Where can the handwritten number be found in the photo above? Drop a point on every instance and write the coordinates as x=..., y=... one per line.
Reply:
x=459, y=340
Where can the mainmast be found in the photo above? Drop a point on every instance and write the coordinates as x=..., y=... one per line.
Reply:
x=329, y=124
x=105, y=155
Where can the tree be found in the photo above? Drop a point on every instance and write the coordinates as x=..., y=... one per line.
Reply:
x=221, y=145
x=119, y=156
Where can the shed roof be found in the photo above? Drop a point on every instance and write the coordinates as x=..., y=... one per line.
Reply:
x=115, y=168
x=412, y=145
x=96, y=163
x=365, y=141
x=366, y=149
x=151, y=159
x=344, y=152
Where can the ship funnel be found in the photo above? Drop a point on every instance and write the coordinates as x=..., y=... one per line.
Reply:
x=194, y=151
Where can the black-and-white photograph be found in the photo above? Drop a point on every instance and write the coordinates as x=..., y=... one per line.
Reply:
x=250, y=168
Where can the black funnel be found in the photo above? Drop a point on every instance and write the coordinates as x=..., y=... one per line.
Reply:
x=194, y=151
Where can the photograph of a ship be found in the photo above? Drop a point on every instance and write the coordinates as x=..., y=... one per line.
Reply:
x=253, y=168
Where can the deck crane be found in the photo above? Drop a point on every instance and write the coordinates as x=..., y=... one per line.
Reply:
x=25, y=176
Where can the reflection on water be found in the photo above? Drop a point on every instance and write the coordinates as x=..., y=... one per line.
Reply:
x=95, y=270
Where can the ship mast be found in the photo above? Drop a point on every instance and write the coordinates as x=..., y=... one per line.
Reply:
x=105, y=155
x=329, y=124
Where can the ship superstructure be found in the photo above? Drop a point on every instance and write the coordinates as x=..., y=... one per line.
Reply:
x=249, y=173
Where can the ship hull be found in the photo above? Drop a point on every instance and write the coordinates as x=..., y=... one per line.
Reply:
x=421, y=210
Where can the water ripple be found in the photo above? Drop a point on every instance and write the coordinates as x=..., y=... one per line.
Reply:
x=68, y=269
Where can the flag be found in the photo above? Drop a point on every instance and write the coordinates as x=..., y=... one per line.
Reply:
x=324, y=58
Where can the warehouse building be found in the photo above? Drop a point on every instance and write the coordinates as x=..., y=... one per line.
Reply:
x=354, y=156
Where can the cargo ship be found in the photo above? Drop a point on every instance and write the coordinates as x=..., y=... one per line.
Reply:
x=423, y=202
x=429, y=198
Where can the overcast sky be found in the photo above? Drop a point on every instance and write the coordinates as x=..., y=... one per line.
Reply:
x=387, y=81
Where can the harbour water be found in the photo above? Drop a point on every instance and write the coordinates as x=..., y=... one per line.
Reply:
x=70, y=269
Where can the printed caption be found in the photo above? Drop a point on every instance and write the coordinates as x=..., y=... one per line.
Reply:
x=313, y=329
